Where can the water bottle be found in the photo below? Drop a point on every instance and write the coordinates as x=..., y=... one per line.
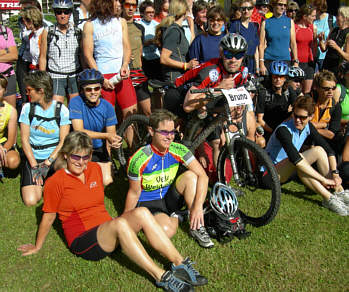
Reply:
x=115, y=79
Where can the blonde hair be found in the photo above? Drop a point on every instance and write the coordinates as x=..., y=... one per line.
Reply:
x=344, y=10
x=34, y=15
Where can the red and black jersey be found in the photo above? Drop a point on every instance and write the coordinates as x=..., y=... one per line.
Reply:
x=210, y=74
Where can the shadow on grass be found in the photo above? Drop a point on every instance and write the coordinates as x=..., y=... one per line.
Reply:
x=302, y=195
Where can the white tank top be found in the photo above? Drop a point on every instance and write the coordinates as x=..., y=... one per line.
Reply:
x=108, y=49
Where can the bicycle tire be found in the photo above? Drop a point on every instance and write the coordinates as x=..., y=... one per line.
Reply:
x=141, y=137
x=258, y=206
x=199, y=139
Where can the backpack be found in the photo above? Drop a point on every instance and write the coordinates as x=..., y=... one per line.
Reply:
x=76, y=18
x=224, y=230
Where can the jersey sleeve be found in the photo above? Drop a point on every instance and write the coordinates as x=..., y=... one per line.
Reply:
x=320, y=140
x=137, y=164
x=111, y=116
x=24, y=117
x=64, y=116
x=53, y=193
x=181, y=153
x=171, y=38
x=285, y=138
x=75, y=108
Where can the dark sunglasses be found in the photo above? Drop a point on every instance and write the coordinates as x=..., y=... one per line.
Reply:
x=249, y=8
x=78, y=157
x=281, y=5
x=62, y=11
x=230, y=55
x=166, y=133
x=298, y=80
x=328, y=88
x=216, y=19
x=90, y=89
x=302, y=118
x=129, y=5
x=292, y=10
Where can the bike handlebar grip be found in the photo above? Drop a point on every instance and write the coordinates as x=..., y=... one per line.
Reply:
x=203, y=90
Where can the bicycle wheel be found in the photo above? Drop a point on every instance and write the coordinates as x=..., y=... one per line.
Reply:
x=141, y=137
x=258, y=205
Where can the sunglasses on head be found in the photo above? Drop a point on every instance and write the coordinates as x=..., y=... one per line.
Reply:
x=230, y=55
x=62, y=11
x=166, y=133
x=129, y=5
x=90, y=89
x=302, y=118
x=245, y=8
x=78, y=157
x=328, y=88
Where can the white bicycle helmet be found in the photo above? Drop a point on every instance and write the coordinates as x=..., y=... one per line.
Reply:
x=233, y=42
x=223, y=200
x=296, y=72
x=62, y=4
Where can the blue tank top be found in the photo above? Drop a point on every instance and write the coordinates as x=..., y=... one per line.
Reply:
x=108, y=49
x=274, y=147
x=278, y=36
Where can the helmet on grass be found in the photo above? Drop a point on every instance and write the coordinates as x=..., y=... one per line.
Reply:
x=62, y=4
x=223, y=200
x=279, y=68
x=90, y=76
x=296, y=73
x=234, y=43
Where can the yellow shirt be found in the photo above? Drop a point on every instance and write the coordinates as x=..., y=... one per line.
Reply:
x=5, y=114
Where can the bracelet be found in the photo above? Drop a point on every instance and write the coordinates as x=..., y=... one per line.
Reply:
x=261, y=60
x=185, y=66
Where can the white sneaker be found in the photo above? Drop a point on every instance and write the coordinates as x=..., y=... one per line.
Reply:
x=343, y=196
x=335, y=205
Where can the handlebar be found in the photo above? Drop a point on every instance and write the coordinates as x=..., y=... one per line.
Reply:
x=206, y=90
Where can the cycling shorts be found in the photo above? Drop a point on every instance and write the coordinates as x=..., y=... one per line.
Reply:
x=100, y=155
x=308, y=71
x=63, y=86
x=26, y=173
x=11, y=86
x=142, y=91
x=123, y=93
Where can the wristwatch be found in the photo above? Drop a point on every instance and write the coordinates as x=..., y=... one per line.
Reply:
x=50, y=159
x=335, y=171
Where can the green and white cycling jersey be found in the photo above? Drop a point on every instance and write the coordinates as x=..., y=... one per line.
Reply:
x=157, y=171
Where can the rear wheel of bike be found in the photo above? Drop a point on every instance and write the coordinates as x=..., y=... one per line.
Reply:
x=258, y=205
x=141, y=137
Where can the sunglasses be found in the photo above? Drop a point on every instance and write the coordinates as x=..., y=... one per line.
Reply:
x=263, y=6
x=281, y=5
x=63, y=11
x=329, y=88
x=90, y=89
x=78, y=157
x=149, y=12
x=302, y=118
x=166, y=133
x=129, y=5
x=245, y=8
x=216, y=19
x=230, y=55
x=297, y=80
x=292, y=10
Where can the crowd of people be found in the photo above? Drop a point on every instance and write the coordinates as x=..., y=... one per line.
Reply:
x=79, y=77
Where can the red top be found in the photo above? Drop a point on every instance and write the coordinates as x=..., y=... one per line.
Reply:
x=304, y=39
x=80, y=206
x=256, y=16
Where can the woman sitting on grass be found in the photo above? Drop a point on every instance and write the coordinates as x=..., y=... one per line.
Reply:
x=9, y=157
x=76, y=193
x=283, y=148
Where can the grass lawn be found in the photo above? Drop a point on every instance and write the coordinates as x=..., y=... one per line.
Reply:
x=305, y=248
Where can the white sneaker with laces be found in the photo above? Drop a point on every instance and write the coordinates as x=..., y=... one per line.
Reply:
x=343, y=196
x=335, y=205
x=202, y=237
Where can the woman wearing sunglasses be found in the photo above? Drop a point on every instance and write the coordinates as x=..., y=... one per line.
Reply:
x=76, y=193
x=92, y=114
x=44, y=125
x=249, y=30
x=277, y=38
x=284, y=149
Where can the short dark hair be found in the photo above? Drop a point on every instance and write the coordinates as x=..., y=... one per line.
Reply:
x=40, y=80
x=160, y=115
x=214, y=11
x=305, y=102
x=322, y=76
x=144, y=5
x=198, y=6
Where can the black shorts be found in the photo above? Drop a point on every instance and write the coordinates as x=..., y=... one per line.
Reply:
x=87, y=247
x=142, y=91
x=173, y=201
x=308, y=71
x=26, y=173
x=100, y=155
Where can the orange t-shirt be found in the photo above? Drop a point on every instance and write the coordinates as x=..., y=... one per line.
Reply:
x=80, y=206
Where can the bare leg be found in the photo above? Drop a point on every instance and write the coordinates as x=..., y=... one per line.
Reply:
x=215, y=151
x=307, y=85
x=12, y=159
x=186, y=186
x=157, y=98
x=31, y=195
x=168, y=224
x=145, y=105
x=125, y=113
x=123, y=230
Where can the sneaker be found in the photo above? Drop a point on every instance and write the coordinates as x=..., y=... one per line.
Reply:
x=201, y=237
x=343, y=196
x=181, y=215
x=335, y=205
x=171, y=283
x=186, y=272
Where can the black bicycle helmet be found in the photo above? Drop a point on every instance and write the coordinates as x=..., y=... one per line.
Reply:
x=233, y=42
x=223, y=201
x=279, y=68
x=90, y=76
x=62, y=4
x=296, y=72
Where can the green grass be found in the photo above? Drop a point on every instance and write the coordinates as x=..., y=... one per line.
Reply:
x=305, y=248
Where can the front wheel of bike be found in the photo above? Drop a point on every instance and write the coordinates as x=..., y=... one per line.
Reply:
x=257, y=204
